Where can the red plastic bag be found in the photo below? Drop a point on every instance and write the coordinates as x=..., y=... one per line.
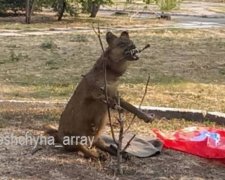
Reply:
x=200, y=141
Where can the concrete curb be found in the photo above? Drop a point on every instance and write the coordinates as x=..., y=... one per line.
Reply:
x=220, y=15
x=160, y=112
x=188, y=114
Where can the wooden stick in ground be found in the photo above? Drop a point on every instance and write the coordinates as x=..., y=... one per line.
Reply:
x=120, y=139
x=142, y=100
x=98, y=33
x=128, y=143
x=37, y=148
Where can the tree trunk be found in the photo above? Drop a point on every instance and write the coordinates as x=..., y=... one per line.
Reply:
x=61, y=10
x=94, y=9
x=28, y=12
x=32, y=5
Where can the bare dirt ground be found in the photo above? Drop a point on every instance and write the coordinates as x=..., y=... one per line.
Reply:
x=17, y=162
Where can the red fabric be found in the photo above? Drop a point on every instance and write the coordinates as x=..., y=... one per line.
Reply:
x=200, y=141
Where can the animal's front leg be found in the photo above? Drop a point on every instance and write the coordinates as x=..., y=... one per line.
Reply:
x=120, y=104
x=129, y=107
x=104, y=147
x=100, y=96
x=112, y=150
x=88, y=153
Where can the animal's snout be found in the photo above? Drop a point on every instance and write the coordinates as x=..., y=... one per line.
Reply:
x=132, y=53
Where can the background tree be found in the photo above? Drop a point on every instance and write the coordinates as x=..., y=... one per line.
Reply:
x=165, y=5
x=29, y=10
x=92, y=6
x=13, y=5
x=62, y=6
x=28, y=6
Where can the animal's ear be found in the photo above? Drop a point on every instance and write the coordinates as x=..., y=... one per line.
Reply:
x=125, y=34
x=110, y=37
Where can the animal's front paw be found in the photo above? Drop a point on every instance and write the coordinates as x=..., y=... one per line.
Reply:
x=148, y=117
x=93, y=154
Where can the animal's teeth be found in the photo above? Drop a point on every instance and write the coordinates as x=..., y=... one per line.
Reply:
x=133, y=51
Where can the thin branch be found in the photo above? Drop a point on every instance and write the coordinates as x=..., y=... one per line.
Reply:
x=146, y=47
x=146, y=90
x=120, y=139
x=36, y=150
x=133, y=15
x=142, y=100
x=98, y=33
x=128, y=143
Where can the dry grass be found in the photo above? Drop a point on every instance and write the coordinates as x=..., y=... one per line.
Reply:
x=181, y=95
x=187, y=67
x=187, y=70
x=49, y=21
x=217, y=9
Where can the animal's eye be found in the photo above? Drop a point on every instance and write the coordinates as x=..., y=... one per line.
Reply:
x=132, y=46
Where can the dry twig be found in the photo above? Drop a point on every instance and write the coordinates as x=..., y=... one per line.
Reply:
x=142, y=100
x=120, y=140
x=128, y=143
x=98, y=33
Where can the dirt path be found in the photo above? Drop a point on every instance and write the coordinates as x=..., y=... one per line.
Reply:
x=180, y=22
x=187, y=8
x=185, y=23
x=191, y=15
x=201, y=8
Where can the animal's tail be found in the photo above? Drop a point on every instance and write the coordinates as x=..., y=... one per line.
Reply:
x=52, y=131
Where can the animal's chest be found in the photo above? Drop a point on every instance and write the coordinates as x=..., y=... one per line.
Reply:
x=95, y=115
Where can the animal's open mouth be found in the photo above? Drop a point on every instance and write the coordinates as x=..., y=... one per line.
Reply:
x=132, y=54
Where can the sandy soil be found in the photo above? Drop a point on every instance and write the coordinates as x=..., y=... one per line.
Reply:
x=17, y=162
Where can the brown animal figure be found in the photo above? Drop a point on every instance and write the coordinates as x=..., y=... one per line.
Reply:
x=85, y=112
